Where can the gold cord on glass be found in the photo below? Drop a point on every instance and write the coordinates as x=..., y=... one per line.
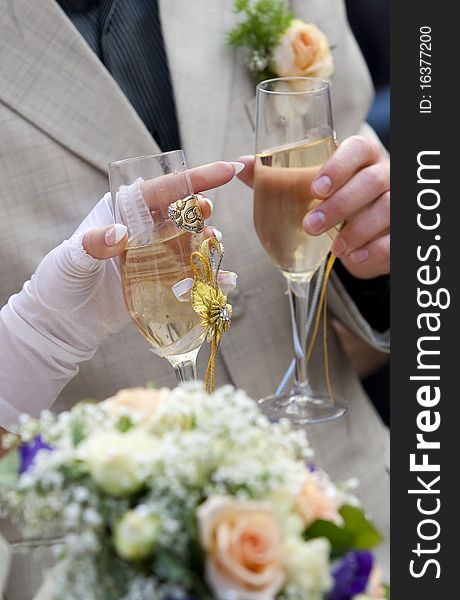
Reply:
x=322, y=309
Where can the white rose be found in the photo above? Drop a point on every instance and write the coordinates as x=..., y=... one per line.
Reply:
x=243, y=547
x=307, y=565
x=119, y=462
x=136, y=534
x=303, y=51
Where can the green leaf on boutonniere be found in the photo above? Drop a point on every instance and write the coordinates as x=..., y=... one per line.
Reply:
x=9, y=469
x=355, y=533
x=265, y=23
x=241, y=5
x=387, y=592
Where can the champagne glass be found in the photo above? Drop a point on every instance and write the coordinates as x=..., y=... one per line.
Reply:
x=155, y=267
x=294, y=137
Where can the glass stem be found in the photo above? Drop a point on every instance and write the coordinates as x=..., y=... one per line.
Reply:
x=184, y=366
x=185, y=371
x=299, y=301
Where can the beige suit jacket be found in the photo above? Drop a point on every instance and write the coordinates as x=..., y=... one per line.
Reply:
x=63, y=119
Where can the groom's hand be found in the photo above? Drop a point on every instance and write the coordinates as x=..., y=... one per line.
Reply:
x=355, y=186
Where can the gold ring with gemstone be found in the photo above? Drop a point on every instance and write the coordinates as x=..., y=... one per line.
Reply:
x=186, y=214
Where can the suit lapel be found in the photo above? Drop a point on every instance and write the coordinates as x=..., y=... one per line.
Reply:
x=201, y=69
x=49, y=75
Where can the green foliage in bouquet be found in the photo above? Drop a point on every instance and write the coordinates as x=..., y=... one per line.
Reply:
x=265, y=23
x=356, y=532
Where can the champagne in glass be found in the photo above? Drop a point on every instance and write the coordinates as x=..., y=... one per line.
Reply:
x=149, y=271
x=294, y=137
x=282, y=197
x=157, y=257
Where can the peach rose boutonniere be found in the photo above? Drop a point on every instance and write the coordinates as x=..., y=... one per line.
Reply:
x=243, y=546
x=278, y=45
x=303, y=51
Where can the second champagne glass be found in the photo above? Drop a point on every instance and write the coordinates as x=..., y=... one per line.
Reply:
x=155, y=267
x=294, y=137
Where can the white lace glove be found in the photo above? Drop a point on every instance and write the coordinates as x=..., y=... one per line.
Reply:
x=57, y=321
x=72, y=303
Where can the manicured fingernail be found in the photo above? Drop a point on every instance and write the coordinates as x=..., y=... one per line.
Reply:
x=115, y=234
x=322, y=185
x=360, y=255
x=217, y=234
x=339, y=247
x=238, y=166
x=315, y=221
x=207, y=200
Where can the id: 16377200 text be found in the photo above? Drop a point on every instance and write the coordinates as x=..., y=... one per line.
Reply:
x=425, y=69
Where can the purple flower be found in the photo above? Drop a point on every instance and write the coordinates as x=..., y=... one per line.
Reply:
x=27, y=452
x=351, y=575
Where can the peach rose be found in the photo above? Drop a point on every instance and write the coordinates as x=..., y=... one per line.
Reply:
x=318, y=500
x=242, y=541
x=140, y=401
x=303, y=51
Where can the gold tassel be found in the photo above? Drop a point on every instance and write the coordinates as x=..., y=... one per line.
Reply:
x=209, y=382
x=208, y=301
x=322, y=309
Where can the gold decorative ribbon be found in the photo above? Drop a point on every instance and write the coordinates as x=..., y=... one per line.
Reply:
x=322, y=309
x=208, y=301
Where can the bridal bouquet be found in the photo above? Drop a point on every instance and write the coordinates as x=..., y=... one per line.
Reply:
x=179, y=495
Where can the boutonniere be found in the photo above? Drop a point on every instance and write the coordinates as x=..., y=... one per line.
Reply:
x=276, y=44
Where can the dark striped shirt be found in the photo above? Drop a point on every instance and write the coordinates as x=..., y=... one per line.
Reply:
x=126, y=35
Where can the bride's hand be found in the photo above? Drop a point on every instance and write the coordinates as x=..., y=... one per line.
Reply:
x=68, y=276
x=72, y=303
x=107, y=241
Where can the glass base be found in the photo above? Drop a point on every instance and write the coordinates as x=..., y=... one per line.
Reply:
x=303, y=407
